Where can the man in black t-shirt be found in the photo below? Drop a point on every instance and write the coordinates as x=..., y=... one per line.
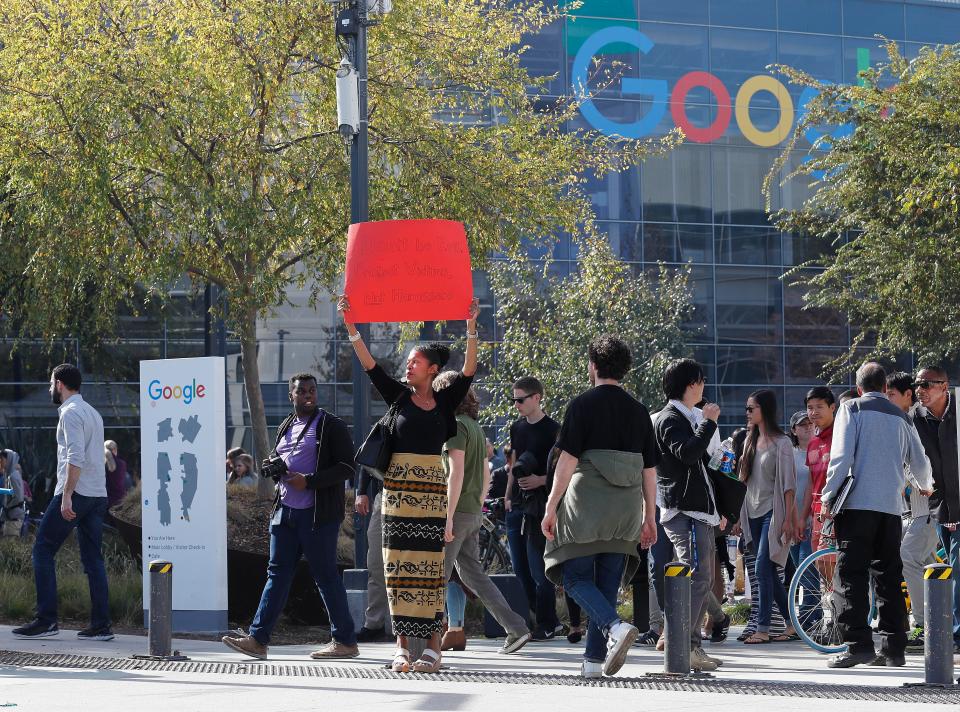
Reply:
x=531, y=438
x=602, y=502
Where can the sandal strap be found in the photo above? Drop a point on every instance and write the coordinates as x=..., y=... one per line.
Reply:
x=402, y=653
x=428, y=653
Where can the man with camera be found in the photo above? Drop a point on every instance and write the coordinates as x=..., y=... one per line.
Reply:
x=310, y=462
x=532, y=437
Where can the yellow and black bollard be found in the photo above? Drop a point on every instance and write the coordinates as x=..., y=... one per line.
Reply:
x=676, y=617
x=938, y=624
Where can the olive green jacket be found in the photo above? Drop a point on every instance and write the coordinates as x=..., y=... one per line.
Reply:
x=600, y=513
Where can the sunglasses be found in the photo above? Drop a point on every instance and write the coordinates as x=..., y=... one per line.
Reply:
x=750, y=408
x=521, y=399
x=925, y=384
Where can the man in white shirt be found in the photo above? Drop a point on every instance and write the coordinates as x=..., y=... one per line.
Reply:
x=80, y=501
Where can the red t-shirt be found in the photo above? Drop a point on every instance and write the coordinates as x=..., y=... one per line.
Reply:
x=818, y=460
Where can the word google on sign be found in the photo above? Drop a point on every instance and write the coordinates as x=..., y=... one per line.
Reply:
x=187, y=392
x=658, y=91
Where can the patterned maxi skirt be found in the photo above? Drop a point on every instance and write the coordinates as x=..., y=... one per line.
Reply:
x=414, y=518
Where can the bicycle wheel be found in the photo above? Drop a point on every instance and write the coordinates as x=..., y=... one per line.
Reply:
x=814, y=604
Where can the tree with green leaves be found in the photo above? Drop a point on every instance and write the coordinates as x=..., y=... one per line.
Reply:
x=885, y=174
x=548, y=322
x=151, y=139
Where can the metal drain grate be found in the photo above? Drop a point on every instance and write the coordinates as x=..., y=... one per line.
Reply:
x=710, y=685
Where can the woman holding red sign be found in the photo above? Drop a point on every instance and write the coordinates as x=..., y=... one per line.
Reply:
x=414, y=507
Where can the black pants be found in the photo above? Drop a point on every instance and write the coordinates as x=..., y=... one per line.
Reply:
x=869, y=544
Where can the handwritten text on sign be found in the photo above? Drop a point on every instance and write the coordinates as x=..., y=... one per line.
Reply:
x=408, y=270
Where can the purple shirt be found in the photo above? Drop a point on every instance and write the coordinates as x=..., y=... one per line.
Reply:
x=300, y=457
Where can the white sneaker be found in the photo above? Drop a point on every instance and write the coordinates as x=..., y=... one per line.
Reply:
x=699, y=661
x=591, y=670
x=619, y=640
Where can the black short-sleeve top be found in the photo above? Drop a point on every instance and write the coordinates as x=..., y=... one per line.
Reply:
x=419, y=431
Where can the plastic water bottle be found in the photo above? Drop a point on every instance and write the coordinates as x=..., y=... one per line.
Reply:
x=722, y=458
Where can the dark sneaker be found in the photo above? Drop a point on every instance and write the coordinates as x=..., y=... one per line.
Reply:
x=247, y=645
x=560, y=629
x=36, y=629
x=719, y=630
x=372, y=635
x=543, y=634
x=649, y=638
x=513, y=643
x=916, y=642
x=846, y=659
x=888, y=660
x=103, y=633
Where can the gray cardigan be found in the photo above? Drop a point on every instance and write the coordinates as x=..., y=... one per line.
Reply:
x=874, y=439
x=786, y=481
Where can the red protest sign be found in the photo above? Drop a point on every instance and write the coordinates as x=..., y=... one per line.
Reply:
x=408, y=270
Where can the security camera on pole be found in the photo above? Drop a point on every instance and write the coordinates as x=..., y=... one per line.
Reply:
x=352, y=21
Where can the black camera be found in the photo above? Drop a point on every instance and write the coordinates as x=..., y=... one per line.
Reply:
x=274, y=468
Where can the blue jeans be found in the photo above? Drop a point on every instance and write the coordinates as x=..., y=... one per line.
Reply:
x=593, y=582
x=809, y=610
x=770, y=585
x=456, y=604
x=290, y=538
x=53, y=531
x=518, y=555
x=546, y=593
x=951, y=543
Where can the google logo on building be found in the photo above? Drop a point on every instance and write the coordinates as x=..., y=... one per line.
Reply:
x=658, y=90
x=186, y=392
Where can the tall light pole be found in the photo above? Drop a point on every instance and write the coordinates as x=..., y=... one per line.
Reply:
x=352, y=20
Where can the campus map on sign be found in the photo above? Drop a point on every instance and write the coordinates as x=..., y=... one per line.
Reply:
x=183, y=434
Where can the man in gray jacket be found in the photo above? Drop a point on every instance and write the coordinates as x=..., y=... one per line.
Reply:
x=872, y=441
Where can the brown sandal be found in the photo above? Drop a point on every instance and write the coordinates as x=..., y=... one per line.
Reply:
x=401, y=660
x=429, y=661
x=757, y=639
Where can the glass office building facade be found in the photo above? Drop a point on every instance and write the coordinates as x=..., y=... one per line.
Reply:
x=701, y=65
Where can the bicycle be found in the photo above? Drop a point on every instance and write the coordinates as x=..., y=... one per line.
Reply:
x=494, y=556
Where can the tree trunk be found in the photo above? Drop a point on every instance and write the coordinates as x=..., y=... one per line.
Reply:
x=251, y=382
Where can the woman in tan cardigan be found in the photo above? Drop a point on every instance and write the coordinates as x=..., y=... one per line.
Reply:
x=768, y=515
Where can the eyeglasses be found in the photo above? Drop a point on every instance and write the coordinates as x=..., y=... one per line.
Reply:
x=925, y=384
x=521, y=399
x=750, y=408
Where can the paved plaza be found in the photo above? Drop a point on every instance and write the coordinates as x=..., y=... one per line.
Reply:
x=789, y=676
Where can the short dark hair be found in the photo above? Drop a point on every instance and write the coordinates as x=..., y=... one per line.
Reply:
x=822, y=393
x=903, y=382
x=939, y=370
x=871, y=376
x=851, y=393
x=303, y=376
x=680, y=373
x=470, y=405
x=68, y=375
x=436, y=353
x=611, y=357
x=529, y=385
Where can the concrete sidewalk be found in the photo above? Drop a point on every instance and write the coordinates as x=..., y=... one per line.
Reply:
x=353, y=683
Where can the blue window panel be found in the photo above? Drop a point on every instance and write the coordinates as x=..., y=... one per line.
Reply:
x=738, y=175
x=744, y=13
x=544, y=57
x=678, y=242
x=749, y=308
x=819, y=16
x=866, y=18
x=692, y=11
x=676, y=187
x=805, y=364
x=747, y=245
x=625, y=238
x=862, y=53
x=615, y=196
x=820, y=57
x=749, y=364
x=677, y=49
x=812, y=326
x=933, y=25
x=699, y=327
x=737, y=55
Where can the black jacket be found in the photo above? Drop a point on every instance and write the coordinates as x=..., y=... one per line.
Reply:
x=680, y=478
x=335, y=465
x=939, y=438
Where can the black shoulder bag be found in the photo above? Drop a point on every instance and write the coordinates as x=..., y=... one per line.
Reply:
x=377, y=449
